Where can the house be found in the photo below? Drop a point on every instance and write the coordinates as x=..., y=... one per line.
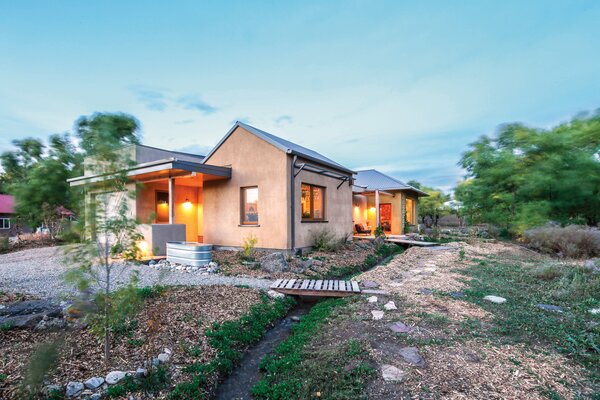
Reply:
x=7, y=211
x=251, y=183
x=380, y=197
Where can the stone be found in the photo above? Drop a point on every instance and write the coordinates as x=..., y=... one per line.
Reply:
x=95, y=396
x=295, y=318
x=425, y=291
x=213, y=264
x=389, y=373
x=372, y=299
x=390, y=305
x=274, y=262
x=412, y=356
x=164, y=357
x=155, y=362
x=370, y=284
x=51, y=324
x=594, y=311
x=152, y=262
x=94, y=383
x=549, y=307
x=141, y=372
x=399, y=327
x=168, y=351
x=495, y=299
x=73, y=388
x=377, y=314
x=275, y=295
x=114, y=377
x=457, y=295
x=45, y=307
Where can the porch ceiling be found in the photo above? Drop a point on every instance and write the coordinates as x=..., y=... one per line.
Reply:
x=162, y=169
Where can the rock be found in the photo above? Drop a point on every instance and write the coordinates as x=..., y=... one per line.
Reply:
x=168, y=351
x=73, y=388
x=152, y=262
x=425, y=291
x=377, y=315
x=275, y=295
x=114, y=377
x=22, y=321
x=457, y=295
x=155, y=362
x=51, y=324
x=370, y=284
x=141, y=372
x=95, y=396
x=164, y=357
x=390, y=305
x=94, y=383
x=389, y=373
x=399, y=327
x=495, y=299
x=549, y=307
x=412, y=356
x=45, y=307
x=295, y=318
x=372, y=299
x=594, y=311
x=274, y=262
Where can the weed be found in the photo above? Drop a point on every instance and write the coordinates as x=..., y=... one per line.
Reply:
x=461, y=254
x=249, y=244
x=136, y=342
x=155, y=381
x=150, y=292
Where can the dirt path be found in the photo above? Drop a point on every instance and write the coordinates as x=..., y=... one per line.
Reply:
x=40, y=272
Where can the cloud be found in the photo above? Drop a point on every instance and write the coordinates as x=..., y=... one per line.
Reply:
x=284, y=120
x=152, y=99
x=194, y=102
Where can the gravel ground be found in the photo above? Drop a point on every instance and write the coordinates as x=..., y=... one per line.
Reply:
x=40, y=272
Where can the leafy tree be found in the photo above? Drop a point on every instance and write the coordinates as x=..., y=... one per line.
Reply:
x=431, y=206
x=523, y=177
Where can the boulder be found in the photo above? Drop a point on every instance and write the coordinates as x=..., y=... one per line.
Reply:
x=412, y=356
x=114, y=377
x=73, y=389
x=495, y=299
x=377, y=314
x=51, y=324
x=22, y=321
x=274, y=262
x=389, y=373
x=45, y=307
x=94, y=383
x=399, y=327
x=390, y=305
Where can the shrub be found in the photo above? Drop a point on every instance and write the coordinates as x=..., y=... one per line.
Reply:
x=325, y=239
x=4, y=245
x=248, y=247
x=572, y=241
x=547, y=272
x=379, y=232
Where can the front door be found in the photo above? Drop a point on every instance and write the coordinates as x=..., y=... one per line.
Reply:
x=385, y=216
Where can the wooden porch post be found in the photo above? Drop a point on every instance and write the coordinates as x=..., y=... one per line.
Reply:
x=377, y=217
x=171, y=200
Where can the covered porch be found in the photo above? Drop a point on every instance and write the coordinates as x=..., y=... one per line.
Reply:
x=373, y=208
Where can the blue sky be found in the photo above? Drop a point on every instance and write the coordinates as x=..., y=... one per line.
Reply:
x=398, y=86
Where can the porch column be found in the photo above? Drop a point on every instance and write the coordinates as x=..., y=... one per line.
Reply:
x=171, y=200
x=377, y=218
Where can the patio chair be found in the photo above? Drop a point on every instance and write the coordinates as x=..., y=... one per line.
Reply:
x=360, y=230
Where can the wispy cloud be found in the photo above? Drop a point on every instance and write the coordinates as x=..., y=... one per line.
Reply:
x=283, y=120
x=194, y=102
x=151, y=98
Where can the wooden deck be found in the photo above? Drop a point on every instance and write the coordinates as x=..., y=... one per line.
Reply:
x=306, y=287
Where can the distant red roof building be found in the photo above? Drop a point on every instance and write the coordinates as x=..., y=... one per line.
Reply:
x=7, y=204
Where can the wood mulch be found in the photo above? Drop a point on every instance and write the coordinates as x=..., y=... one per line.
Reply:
x=231, y=263
x=175, y=320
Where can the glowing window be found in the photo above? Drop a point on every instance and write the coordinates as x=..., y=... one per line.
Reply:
x=250, y=206
x=313, y=202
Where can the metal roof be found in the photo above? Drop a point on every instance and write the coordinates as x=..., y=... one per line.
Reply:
x=371, y=179
x=284, y=145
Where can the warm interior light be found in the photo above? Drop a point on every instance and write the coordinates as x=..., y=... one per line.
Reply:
x=356, y=209
x=187, y=204
x=143, y=247
x=372, y=209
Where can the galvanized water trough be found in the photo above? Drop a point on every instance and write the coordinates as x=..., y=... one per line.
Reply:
x=189, y=253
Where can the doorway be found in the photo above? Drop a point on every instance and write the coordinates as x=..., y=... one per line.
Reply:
x=385, y=216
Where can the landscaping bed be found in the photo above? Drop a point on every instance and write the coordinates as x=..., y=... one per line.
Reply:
x=175, y=318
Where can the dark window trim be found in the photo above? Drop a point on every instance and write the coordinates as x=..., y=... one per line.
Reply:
x=4, y=221
x=312, y=203
x=243, y=204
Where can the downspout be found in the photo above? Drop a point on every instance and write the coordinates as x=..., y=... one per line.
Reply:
x=293, y=204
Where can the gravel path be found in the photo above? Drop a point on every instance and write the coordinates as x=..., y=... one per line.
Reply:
x=40, y=272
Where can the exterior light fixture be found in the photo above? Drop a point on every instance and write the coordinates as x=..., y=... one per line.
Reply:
x=187, y=204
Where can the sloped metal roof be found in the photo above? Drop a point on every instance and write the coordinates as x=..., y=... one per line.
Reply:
x=371, y=179
x=284, y=145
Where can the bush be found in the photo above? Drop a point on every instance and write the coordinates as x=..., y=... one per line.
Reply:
x=325, y=239
x=572, y=241
x=248, y=247
x=4, y=244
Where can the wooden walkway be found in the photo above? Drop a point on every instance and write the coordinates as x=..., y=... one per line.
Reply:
x=412, y=242
x=305, y=287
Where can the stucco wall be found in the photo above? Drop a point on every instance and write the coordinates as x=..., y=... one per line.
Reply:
x=254, y=162
x=338, y=207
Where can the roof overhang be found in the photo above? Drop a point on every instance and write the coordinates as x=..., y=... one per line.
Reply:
x=366, y=191
x=166, y=168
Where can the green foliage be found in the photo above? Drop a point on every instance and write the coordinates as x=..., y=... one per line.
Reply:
x=156, y=380
x=249, y=247
x=292, y=371
x=229, y=339
x=379, y=232
x=432, y=205
x=41, y=362
x=4, y=244
x=461, y=254
x=151, y=292
x=523, y=177
x=382, y=252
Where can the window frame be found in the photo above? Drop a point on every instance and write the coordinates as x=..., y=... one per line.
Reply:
x=156, y=204
x=413, y=214
x=312, y=203
x=5, y=221
x=243, y=190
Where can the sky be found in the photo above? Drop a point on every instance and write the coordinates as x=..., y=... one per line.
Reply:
x=399, y=86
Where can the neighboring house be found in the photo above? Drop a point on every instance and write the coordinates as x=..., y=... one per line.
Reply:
x=380, y=197
x=7, y=211
x=251, y=183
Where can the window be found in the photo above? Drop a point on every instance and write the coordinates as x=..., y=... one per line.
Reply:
x=410, y=211
x=313, y=202
x=249, y=206
x=162, y=207
x=4, y=223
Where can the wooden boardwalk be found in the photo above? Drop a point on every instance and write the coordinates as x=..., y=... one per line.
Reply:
x=306, y=287
x=412, y=242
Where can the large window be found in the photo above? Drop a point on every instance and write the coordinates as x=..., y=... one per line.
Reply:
x=410, y=211
x=4, y=223
x=249, y=206
x=313, y=202
x=162, y=207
